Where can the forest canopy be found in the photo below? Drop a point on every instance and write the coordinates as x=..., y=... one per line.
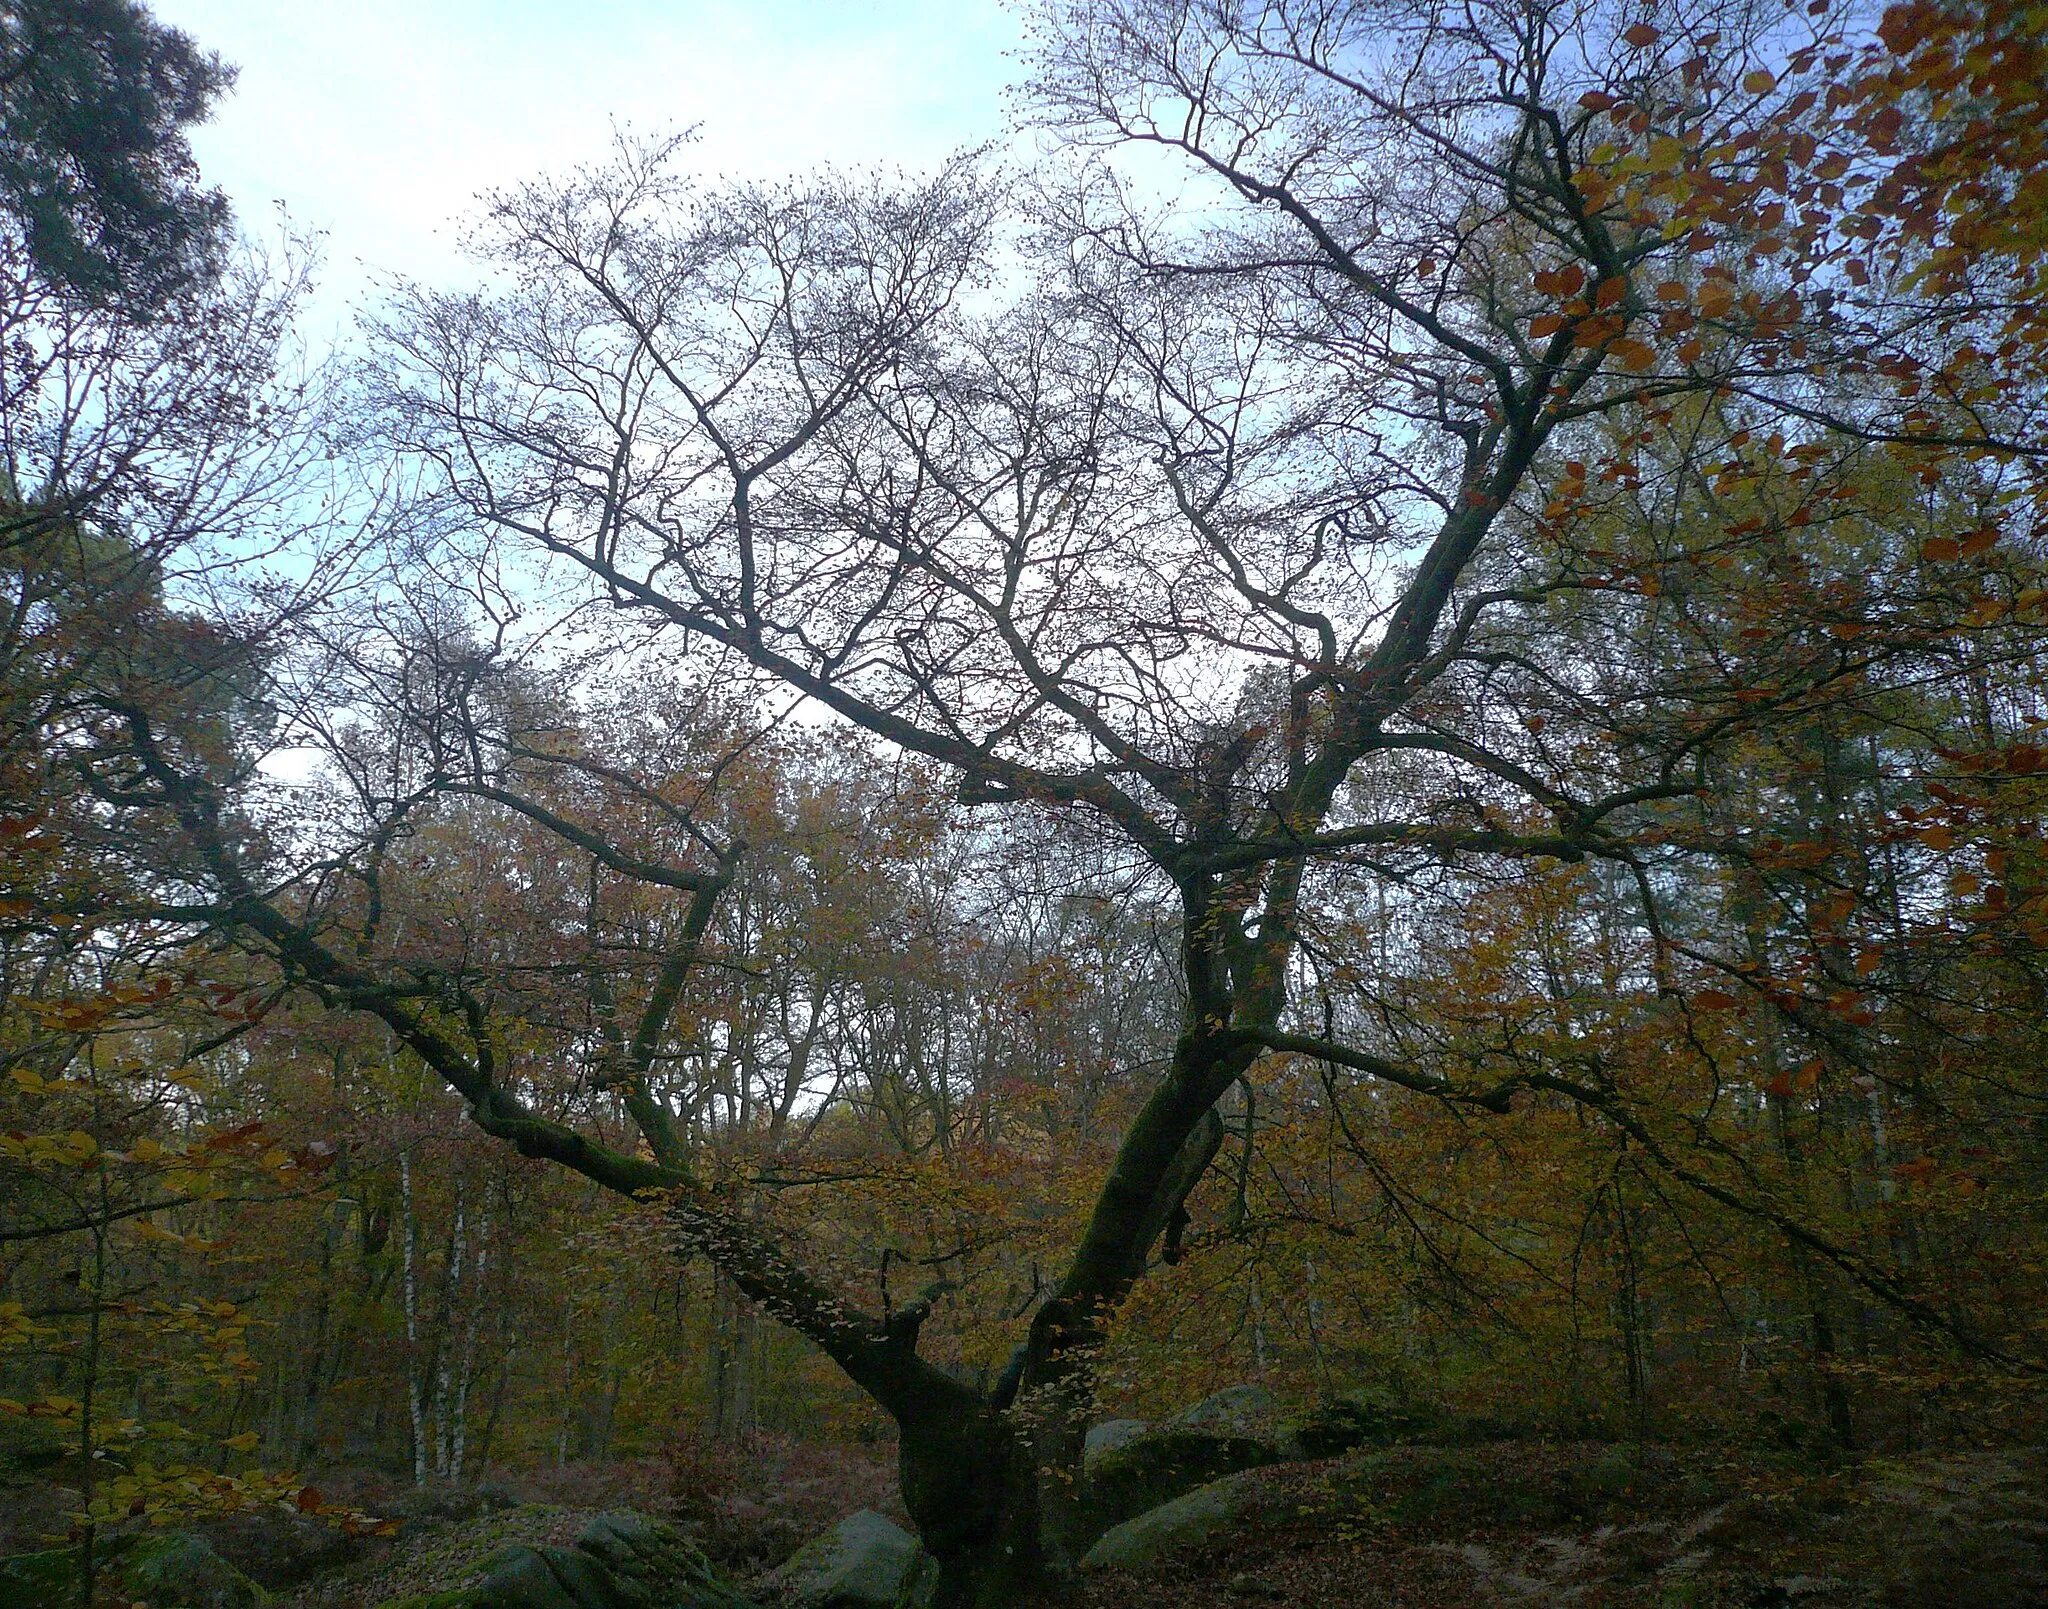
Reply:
x=944, y=807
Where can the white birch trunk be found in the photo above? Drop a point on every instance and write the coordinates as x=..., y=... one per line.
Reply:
x=415, y=1398
x=443, y=1440
x=459, y=1412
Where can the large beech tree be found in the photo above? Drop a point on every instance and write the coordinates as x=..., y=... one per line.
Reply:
x=1244, y=525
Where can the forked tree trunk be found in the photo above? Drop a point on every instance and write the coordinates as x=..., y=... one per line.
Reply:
x=971, y=1485
x=993, y=1483
x=988, y=1479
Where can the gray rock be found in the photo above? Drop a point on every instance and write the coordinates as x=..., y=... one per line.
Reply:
x=1247, y=1413
x=1235, y=1429
x=1111, y=1434
x=1235, y=1410
x=863, y=1562
x=1189, y=1521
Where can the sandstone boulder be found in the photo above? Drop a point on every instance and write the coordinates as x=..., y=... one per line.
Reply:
x=864, y=1562
x=1236, y=1429
x=1107, y=1437
x=1191, y=1520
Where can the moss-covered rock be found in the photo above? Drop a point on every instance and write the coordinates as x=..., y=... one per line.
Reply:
x=1188, y=1522
x=1365, y=1417
x=280, y=1549
x=1236, y=1429
x=1248, y=1413
x=180, y=1571
x=162, y=1569
x=542, y=1578
x=32, y=1580
x=864, y=1562
x=166, y=1570
x=458, y=1599
x=920, y=1588
x=620, y=1561
x=1156, y=1468
x=651, y=1564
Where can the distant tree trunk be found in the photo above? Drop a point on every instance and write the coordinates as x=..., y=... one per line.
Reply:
x=498, y=1395
x=732, y=1350
x=318, y=1362
x=568, y=1389
x=415, y=1392
x=1629, y=1311
x=1834, y=1397
x=89, y=1380
x=601, y=1444
x=465, y=1372
x=451, y=1293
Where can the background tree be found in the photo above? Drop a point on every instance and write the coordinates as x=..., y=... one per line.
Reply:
x=154, y=428
x=95, y=99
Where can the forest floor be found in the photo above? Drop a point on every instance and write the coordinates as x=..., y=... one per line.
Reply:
x=1471, y=1527
x=1599, y=1526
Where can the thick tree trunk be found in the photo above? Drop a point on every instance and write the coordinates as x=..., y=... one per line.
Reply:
x=971, y=1482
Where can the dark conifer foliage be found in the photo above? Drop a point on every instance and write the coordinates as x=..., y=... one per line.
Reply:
x=95, y=100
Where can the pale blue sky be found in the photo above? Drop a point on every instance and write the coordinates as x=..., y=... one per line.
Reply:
x=379, y=121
